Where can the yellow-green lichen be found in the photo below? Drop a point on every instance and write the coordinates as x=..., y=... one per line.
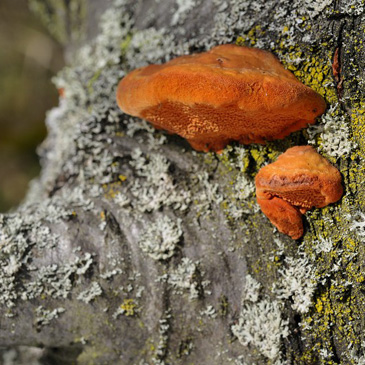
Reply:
x=129, y=307
x=314, y=71
x=111, y=190
x=250, y=39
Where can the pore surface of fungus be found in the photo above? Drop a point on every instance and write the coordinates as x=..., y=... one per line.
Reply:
x=297, y=181
x=229, y=93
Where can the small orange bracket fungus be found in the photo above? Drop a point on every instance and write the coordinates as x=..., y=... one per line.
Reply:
x=297, y=181
x=229, y=93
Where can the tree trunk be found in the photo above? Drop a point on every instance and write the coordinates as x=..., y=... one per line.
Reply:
x=132, y=248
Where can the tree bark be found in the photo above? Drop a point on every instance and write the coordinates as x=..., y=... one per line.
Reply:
x=132, y=248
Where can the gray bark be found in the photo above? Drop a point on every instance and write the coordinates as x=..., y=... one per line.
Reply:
x=131, y=248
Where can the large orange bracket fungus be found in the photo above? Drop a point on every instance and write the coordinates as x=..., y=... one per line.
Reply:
x=297, y=181
x=229, y=93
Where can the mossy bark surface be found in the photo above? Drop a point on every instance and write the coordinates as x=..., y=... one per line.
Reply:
x=132, y=248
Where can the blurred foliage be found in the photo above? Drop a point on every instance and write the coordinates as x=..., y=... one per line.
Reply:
x=63, y=18
x=29, y=57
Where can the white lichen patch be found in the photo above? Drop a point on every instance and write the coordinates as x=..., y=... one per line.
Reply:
x=251, y=290
x=114, y=266
x=352, y=7
x=155, y=186
x=148, y=46
x=323, y=245
x=163, y=330
x=135, y=125
x=209, y=195
x=297, y=282
x=228, y=18
x=187, y=277
x=122, y=200
x=333, y=133
x=356, y=357
x=93, y=291
x=209, y=311
x=153, y=169
x=56, y=280
x=45, y=316
x=115, y=25
x=154, y=138
x=261, y=324
x=28, y=228
x=44, y=237
x=239, y=194
x=183, y=7
x=315, y=7
x=161, y=238
x=243, y=189
x=110, y=274
x=358, y=224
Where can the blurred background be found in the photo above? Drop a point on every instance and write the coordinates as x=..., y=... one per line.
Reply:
x=29, y=58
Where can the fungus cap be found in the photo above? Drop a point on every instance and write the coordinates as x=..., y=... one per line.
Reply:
x=297, y=181
x=229, y=93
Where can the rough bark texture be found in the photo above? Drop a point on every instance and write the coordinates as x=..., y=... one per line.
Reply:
x=131, y=248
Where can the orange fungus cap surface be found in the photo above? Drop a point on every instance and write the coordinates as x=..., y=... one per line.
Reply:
x=297, y=181
x=229, y=93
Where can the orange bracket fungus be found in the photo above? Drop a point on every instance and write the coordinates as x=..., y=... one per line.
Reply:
x=229, y=93
x=297, y=181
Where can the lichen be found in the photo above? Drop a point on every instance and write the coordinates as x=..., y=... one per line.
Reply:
x=128, y=307
x=209, y=194
x=93, y=291
x=187, y=277
x=160, y=239
x=184, y=6
x=332, y=134
x=160, y=189
x=261, y=324
x=162, y=346
x=45, y=316
x=297, y=282
x=20, y=232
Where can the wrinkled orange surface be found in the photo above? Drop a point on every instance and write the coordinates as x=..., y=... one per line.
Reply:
x=229, y=93
x=297, y=181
